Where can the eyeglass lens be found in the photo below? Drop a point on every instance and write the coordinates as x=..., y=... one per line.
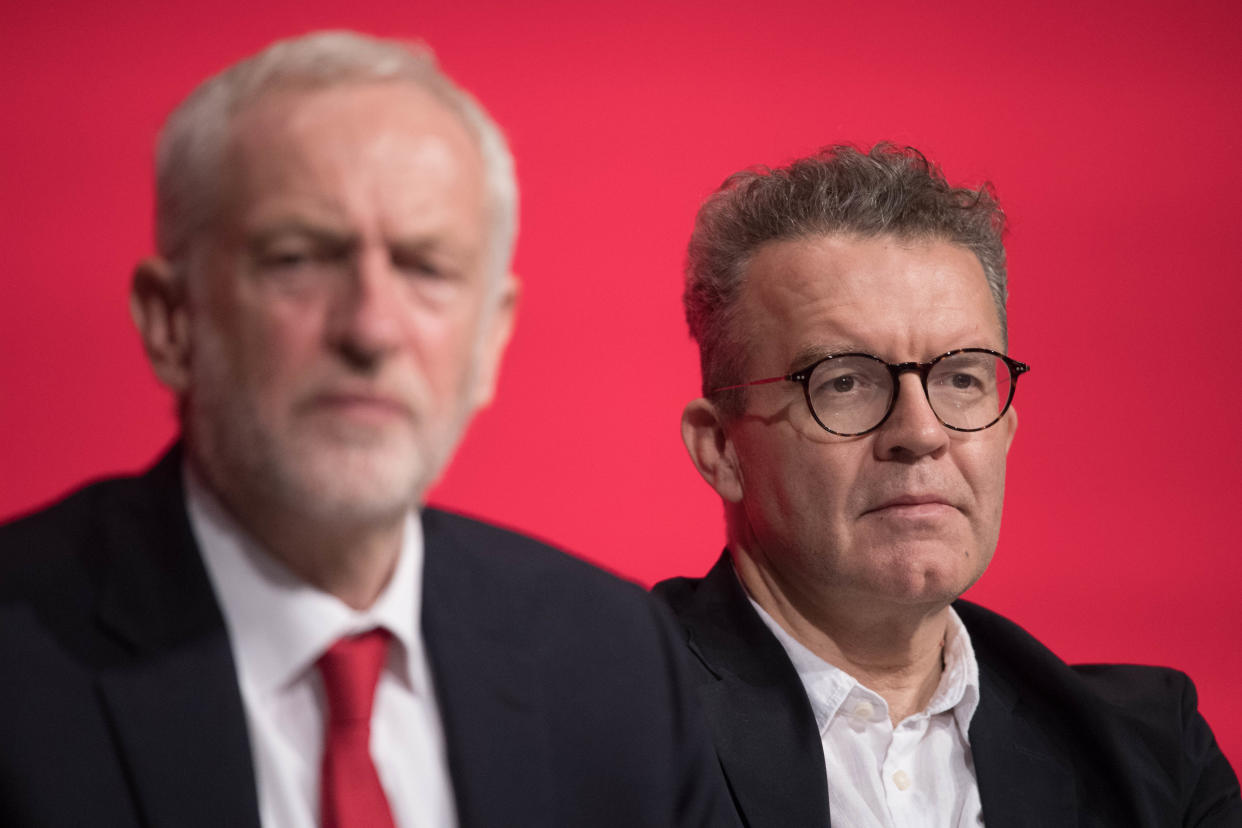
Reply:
x=851, y=394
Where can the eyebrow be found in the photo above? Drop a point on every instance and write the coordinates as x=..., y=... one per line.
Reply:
x=303, y=228
x=811, y=354
x=808, y=356
x=416, y=245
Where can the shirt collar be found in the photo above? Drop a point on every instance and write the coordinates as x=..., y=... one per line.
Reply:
x=279, y=625
x=959, y=684
x=828, y=686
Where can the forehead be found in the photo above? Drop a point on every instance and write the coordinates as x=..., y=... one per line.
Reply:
x=900, y=299
x=374, y=150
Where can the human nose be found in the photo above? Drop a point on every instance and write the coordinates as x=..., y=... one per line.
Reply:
x=912, y=429
x=365, y=318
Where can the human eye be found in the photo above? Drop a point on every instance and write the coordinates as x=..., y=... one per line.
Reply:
x=960, y=383
x=419, y=265
x=842, y=384
x=427, y=259
x=431, y=276
x=291, y=271
x=284, y=256
x=295, y=252
x=965, y=376
x=845, y=381
x=963, y=381
x=299, y=262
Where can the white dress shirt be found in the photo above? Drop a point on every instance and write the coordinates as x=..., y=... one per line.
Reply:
x=918, y=773
x=278, y=626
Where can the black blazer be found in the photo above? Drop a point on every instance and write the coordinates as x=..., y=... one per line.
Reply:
x=561, y=688
x=1053, y=745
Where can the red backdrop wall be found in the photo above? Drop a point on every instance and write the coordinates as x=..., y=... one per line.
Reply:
x=1111, y=133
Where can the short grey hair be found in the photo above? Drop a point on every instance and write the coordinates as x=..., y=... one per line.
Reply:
x=889, y=191
x=192, y=143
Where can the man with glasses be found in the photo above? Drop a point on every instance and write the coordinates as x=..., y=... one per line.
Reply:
x=858, y=407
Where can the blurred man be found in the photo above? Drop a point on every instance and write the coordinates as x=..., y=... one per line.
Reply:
x=857, y=411
x=266, y=627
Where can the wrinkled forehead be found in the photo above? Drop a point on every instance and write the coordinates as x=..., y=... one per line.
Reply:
x=351, y=136
x=900, y=293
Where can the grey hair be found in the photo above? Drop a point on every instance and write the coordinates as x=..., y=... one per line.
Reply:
x=840, y=190
x=192, y=143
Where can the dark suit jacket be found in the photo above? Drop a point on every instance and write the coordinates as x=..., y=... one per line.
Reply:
x=560, y=686
x=1053, y=745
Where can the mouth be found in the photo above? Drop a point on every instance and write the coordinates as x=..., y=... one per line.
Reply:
x=360, y=406
x=913, y=506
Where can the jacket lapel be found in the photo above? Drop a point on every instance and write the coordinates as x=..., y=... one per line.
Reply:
x=762, y=723
x=181, y=728
x=1021, y=783
x=175, y=706
x=485, y=674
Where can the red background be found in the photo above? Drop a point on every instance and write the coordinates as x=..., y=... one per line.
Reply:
x=1110, y=131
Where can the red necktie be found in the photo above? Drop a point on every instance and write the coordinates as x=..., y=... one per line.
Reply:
x=350, y=794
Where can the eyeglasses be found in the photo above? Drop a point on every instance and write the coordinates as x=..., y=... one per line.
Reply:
x=851, y=394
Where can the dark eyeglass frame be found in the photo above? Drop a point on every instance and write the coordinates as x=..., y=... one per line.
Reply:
x=895, y=369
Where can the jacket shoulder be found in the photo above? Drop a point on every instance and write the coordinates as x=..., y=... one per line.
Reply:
x=1137, y=685
x=677, y=593
x=438, y=523
x=38, y=546
x=1136, y=728
x=1008, y=648
x=1011, y=653
x=528, y=568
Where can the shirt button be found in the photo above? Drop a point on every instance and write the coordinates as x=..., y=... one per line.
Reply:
x=864, y=710
x=901, y=779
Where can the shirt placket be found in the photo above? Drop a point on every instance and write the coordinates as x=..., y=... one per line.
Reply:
x=904, y=789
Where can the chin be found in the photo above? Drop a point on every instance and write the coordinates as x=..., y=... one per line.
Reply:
x=926, y=576
x=355, y=485
x=326, y=476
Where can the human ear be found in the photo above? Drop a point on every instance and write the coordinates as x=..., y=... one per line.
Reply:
x=498, y=328
x=157, y=306
x=703, y=432
x=1011, y=426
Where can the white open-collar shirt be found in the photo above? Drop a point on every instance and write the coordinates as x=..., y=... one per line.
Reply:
x=279, y=626
x=919, y=773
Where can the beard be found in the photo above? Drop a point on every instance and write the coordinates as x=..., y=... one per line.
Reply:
x=281, y=458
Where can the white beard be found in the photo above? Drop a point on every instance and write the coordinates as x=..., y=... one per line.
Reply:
x=328, y=474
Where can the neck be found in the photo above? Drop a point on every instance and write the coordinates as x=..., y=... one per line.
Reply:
x=895, y=650
x=352, y=560
x=354, y=564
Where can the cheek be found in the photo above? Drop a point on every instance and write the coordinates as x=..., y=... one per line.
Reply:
x=280, y=346
x=265, y=349
x=804, y=481
x=260, y=328
x=442, y=344
x=984, y=470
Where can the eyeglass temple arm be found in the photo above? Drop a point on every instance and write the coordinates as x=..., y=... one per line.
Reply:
x=766, y=381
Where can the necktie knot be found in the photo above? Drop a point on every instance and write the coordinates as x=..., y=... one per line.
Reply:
x=351, y=668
